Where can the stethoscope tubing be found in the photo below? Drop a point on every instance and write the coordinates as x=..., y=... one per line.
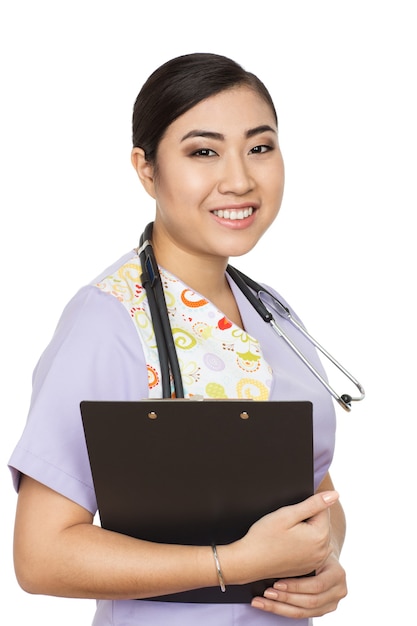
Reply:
x=253, y=291
x=152, y=283
x=344, y=400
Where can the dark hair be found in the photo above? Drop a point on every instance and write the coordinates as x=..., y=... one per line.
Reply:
x=177, y=86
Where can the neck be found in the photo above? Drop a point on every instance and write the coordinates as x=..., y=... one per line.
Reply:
x=203, y=274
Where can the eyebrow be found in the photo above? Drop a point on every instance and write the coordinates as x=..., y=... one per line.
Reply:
x=220, y=137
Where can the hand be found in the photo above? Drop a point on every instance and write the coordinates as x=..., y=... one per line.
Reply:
x=302, y=598
x=291, y=541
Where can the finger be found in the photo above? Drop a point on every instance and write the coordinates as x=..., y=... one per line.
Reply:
x=300, y=585
x=314, y=505
x=331, y=576
x=282, y=608
x=294, y=605
x=312, y=604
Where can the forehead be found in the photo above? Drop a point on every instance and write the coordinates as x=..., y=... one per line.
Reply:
x=230, y=112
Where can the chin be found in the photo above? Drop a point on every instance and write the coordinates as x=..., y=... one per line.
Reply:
x=238, y=251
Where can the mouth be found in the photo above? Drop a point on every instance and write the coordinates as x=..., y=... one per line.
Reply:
x=234, y=214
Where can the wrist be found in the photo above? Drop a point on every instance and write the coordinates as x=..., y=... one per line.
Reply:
x=235, y=565
x=218, y=568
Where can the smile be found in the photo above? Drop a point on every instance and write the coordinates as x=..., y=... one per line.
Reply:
x=239, y=214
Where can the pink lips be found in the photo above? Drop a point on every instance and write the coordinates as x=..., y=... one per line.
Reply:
x=235, y=217
x=236, y=224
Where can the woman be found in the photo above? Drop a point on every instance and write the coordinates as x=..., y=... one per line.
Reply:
x=206, y=149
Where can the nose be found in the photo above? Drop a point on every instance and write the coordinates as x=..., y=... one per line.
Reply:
x=235, y=176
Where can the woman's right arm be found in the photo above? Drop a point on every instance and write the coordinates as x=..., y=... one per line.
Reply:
x=59, y=551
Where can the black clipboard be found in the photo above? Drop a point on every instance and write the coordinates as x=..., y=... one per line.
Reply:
x=197, y=472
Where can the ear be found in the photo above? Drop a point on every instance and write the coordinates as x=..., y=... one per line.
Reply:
x=144, y=170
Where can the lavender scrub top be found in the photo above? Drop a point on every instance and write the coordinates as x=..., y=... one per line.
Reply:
x=97, y=353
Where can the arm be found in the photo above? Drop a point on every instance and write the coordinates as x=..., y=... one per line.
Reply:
x=317, y=595
x=58, y=550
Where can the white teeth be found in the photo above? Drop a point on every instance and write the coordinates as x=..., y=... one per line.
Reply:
x=240, y=214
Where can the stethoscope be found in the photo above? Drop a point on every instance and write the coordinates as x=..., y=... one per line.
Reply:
x=257, y=296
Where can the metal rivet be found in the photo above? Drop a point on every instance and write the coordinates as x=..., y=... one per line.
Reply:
x=152, y=415
x=244, y=415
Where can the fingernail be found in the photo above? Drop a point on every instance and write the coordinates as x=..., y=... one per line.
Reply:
x=271, y=594
x=330, y=496
x=257, y=604
x=280, y=586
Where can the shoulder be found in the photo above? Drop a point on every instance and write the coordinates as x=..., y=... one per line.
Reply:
x=128, y=260
x=95, y=330
x=93, y=308
x=94, y=354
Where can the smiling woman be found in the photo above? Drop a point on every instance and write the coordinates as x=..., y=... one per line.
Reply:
x=205, y=147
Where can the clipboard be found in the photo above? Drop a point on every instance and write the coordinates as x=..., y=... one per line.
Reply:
x=197, y=472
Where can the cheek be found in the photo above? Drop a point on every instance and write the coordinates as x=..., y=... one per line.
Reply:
x=181, y=185
x=272, y=183
x=280, y=189
x=277, y=179
x=196, y=180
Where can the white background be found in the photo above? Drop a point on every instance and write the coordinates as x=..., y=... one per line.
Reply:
x=343, y=76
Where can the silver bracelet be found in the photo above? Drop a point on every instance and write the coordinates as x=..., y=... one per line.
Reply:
x=218, y=568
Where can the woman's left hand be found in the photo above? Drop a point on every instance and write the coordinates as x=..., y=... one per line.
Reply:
x=310, y=596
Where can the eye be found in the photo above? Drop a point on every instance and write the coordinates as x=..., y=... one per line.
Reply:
x=204, y=152
x=260, y=149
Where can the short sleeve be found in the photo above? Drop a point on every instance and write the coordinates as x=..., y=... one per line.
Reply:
x=95, y=354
